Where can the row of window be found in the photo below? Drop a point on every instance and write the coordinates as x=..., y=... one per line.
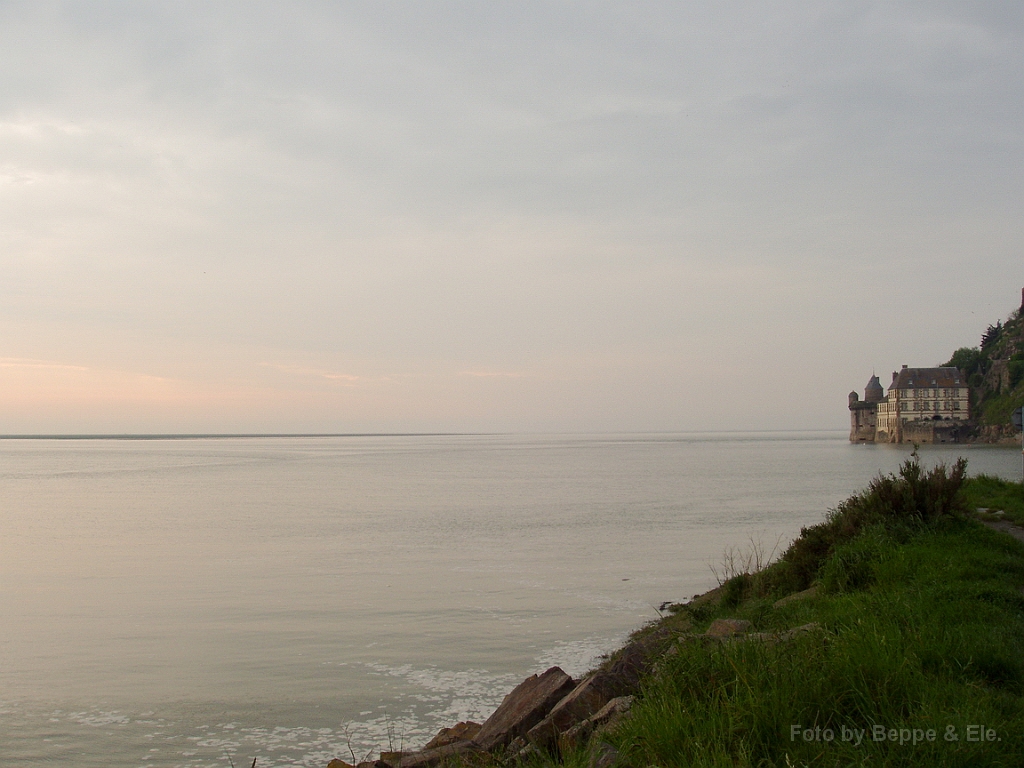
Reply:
x=933, y=406
x=929, y=393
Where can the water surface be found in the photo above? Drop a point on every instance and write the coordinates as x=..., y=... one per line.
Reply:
x=181, y=602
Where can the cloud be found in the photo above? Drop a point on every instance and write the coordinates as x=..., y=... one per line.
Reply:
x=334, y=376
x=371, y=196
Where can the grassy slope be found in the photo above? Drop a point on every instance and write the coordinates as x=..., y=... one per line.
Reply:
x=922, y=628
x=996, y=495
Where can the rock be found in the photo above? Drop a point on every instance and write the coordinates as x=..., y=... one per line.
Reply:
x=620, y=678
x=431, y=757
x=575, y=736
x=584, y=700
x=782, y=637
x=392, y=758
x=636, y=659
x=612, y=712
x=605, y=756
x=728, y=628
x=464, y=731
x=803, y=629
x=796, y=596
x=523, y=708
x=605, y=718
x=336, y=763
x=374, y=764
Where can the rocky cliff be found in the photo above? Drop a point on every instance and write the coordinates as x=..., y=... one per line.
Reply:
x=995, y=373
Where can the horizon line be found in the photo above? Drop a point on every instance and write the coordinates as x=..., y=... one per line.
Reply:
x=237, y=435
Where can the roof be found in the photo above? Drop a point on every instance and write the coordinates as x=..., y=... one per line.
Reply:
x=920, y=378
x=873, y=391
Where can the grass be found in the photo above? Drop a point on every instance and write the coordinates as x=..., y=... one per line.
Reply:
x=918, y=659
x=996, y=495
x=929, y=634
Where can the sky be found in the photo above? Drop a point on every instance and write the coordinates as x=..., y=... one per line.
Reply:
x=497, y=216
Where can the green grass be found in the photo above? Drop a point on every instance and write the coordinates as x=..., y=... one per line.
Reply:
x=929, y=634
x=920, y=640
x=994, y=494
x=920, y=612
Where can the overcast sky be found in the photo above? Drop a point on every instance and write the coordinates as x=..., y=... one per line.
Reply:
x=565, y=216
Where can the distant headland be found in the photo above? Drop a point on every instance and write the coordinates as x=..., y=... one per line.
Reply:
x=970, y=398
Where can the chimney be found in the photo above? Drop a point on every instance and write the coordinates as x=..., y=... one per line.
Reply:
x=894, y=377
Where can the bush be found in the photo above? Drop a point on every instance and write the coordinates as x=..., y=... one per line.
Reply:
x=896, y=502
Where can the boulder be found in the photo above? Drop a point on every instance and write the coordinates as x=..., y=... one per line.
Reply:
x=464, y=731
x=723, y=628
x=527, y=704
x=635, y=660
x=575, y=736
x=336, y=763
x=612, y=712
x=605, y=718
x=584, y=700
x=432, y=757
x=803, y=629
x=796, y=596
x=604, y=756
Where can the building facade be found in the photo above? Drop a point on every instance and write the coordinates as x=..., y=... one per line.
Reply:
x=923, y=405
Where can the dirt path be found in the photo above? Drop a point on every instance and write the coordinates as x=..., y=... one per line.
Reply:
x=1006, y=527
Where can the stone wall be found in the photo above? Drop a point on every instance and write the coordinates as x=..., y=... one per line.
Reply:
x=935, y=432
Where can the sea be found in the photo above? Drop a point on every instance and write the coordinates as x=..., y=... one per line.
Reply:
x=194, y=602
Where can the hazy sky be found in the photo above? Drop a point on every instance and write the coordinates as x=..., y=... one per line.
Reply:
x=385, y=216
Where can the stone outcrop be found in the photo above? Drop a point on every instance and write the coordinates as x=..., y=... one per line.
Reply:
x=722, y=628
x=464, y=731
x=524, y=707
x=605, y=717
x=796, y=597
x=431, y=757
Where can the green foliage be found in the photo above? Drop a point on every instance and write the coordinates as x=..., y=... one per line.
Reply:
x=916, y=633
x=970, y=361
x=991, y=402
x=1016, y=369
x=852, y=565
x=736, y=589
x=997, y=408
x=894, y=501
x=991, y=335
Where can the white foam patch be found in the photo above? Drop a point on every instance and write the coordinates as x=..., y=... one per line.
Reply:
x=465, y=695
x=99, y=719
x=578, y=657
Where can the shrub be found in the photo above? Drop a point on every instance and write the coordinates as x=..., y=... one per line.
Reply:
x=897, y=502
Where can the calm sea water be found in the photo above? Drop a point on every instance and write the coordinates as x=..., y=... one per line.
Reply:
x=192, y=602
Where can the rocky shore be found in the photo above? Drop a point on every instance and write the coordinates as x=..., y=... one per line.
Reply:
x=552, y=712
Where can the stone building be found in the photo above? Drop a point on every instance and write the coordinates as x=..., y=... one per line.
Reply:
x=923, y=405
